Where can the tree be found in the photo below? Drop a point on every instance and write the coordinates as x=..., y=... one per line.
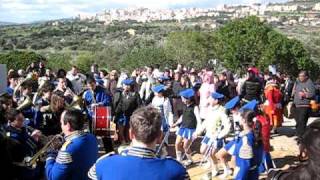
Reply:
x=188, y=47
x=20, y=59
x=144, y=56
x=59, y=61
x=249, y=41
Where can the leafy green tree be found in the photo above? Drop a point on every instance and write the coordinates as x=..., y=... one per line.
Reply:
x=139, y=57
x=59, y=61
x=249, y=41
x=19, y=59
x=188, y=47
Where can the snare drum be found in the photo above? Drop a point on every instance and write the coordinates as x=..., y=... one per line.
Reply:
x=102, y=124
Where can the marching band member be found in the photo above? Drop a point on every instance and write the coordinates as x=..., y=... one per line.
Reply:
x=125, y=102
x=25, y=100
x=233, y=106
x=164, y=106
x=43, y=109
x=13, y=79
x=77, y=154
x=25, y=145
x=189, y=121
x=247, y=149
x=217, y=126
x=139, y=160
x=262, y=125
x=62, y=88
x=95, y=96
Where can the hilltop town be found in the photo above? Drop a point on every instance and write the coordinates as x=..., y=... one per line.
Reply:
x=304, y=12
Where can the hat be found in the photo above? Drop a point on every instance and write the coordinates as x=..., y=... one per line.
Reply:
x=158, y=88
x=217, y=96
x=232, y=103
x=128, y=82
x=251, y=105
x=187, y=93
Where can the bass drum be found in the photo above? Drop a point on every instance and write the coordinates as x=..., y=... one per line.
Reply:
x=102, y=124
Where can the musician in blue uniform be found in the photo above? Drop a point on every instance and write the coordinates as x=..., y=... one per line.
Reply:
x=248, y=149
x=25, y=145
x=95, y=96
x=77, y=154
x=163, y=104
x=139, y=160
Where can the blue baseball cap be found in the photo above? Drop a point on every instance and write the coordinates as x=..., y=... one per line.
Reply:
x=128, y=82
x=158, y=88
x=187, y=93
x=232, y=103
x=251, y=105
x=216, y=95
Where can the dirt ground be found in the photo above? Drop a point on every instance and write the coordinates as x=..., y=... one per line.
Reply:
x=284, y=150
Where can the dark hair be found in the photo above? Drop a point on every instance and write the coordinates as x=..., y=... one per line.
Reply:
x=46, y=87
x=104, y=72
x=256, y=126
x=61, y=73
x=145, y=124
x=90, y=80
x=75, y=118
x=13, y=74
x=27, y=84
x=11, y=114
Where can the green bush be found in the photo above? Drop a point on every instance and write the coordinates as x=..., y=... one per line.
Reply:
x=19, y=59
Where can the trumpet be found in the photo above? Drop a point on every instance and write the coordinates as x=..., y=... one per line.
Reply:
x=32, y=161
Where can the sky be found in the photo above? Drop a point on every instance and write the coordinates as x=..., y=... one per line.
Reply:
x=24, y=11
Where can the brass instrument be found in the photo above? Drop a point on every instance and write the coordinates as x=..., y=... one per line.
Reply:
x=27, y=102
x=32, y=161
x=77, y=101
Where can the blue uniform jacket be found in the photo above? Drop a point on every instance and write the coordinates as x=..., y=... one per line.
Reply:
x=74, y=159
x=137, y=163
x=100, y=96
x=248, y=157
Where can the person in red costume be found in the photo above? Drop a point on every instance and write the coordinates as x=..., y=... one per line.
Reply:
x=272, y=106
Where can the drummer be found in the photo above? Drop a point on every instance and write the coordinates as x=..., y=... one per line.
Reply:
x=95, y=96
